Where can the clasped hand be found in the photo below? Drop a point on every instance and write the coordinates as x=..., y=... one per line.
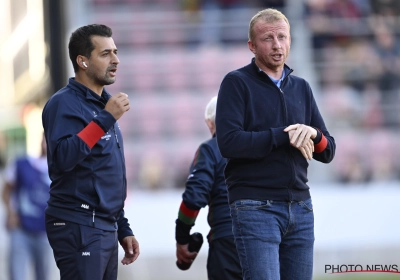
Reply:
x=183, y=254
x=300, y=137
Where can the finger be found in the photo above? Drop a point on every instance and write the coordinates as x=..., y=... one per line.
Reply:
x=312, y=145
x=308, y=147
x=121, y=94
x=186, y=259
x=304, y=139
x=303, y=152
x=311, y=150
x=291, y=127
x=185, y=255
x=307, y=137
x=135, y=256
x=122, y=98
x=125, y=100
x=308, y=152
x=126, y=261
x=129, y=249
x=136, y=249
x=297, y=138
x=189, y=255
x=290, y=133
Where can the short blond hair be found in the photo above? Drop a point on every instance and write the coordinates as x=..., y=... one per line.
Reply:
x=267, y=15
x=211, y=107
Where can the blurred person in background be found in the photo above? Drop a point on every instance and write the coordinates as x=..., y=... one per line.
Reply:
x=387, y=48
x=268, y=126
x=85, y=214
x=25, y=195
x=206, y=186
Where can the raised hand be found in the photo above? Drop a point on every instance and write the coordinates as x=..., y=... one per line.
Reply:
x=117, y=105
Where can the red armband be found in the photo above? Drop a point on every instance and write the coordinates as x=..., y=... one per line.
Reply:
x=91, y=134
x=320, y=147
x=186, y=215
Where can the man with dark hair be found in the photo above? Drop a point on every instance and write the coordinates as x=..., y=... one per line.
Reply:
x=268, y=126
x=85, y=153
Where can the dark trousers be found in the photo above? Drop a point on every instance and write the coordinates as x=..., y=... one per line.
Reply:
x=223, y=261
x=82, y=252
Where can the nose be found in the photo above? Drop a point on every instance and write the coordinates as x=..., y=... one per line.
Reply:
x=115, y=59
x=276, y=44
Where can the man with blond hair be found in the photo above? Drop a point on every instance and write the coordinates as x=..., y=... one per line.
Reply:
x=268, y=127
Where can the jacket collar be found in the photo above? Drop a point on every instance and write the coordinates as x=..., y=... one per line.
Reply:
x=89, y=94
x=262, y=74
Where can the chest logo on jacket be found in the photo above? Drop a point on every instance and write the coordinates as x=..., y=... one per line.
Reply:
x=106, y=136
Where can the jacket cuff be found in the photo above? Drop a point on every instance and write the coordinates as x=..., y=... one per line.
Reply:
x=182, y=232
x=122, y=233
x=317, y=139
x=105, y=120
x=320, y=143
x=280, y=137
x=124, y=229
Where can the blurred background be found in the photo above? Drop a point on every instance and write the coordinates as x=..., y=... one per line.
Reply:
x=174, y=54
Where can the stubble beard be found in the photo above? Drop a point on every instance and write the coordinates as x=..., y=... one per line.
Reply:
x=104, y=80
x=107, y=80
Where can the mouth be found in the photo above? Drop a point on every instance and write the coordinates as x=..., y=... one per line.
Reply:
x=113, y=71
x=277, y=56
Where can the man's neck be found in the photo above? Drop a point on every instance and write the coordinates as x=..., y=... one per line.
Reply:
x=273, y=73
x=89, y=84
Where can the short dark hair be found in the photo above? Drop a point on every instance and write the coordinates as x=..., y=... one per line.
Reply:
x=80, y=42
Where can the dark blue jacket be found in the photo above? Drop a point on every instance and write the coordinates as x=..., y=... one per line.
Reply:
x=205, y=186
x=252, y=113
x=88, y=182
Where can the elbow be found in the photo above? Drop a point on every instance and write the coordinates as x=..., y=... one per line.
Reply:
x=225, y=153
x=330, y=158
x=63, y=164
x=228, y=145
x=224, y=149
x=327, y=158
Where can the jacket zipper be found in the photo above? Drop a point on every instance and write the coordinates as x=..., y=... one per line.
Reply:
x=114, y=130
x=289, y=151
x=116, y=136
x=94, y=213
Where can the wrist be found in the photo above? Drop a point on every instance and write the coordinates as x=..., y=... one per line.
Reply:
x=314, y=133
x=182, y=232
